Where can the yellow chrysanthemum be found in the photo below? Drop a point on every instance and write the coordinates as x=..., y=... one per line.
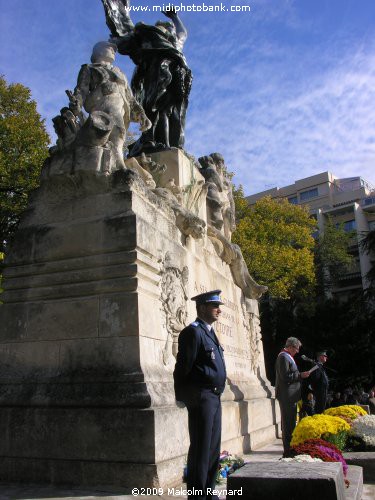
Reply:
x=349, y=411
x=314, y=427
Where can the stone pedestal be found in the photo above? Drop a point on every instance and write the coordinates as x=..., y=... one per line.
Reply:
x=97, y=287
x=287, y=481
x=364, y=459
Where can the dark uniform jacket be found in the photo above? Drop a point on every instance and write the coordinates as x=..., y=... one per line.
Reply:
x=319, y=382
x=319, y=379
x=200, y=363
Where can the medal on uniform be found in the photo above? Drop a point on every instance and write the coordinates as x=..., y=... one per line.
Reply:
x=212, y=355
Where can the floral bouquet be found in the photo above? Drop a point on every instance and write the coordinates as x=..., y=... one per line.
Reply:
x=317, y=426
x=228, y=464
x=348, y=411
x=323, y=450
x=319, y=448
x=364, y=428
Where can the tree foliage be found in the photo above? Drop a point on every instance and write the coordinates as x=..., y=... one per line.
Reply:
x=368, y=245
x=23, y=148
x=1, y=260
x=332, y=252
x=276, y=242
x=333, y=244
x=346, y=329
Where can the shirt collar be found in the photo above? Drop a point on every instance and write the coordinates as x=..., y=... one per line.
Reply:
x=209, y=327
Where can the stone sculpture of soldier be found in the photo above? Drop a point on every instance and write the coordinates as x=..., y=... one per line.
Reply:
x=103, y=87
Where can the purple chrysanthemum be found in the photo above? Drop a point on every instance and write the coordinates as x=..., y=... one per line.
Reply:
x=336, y=456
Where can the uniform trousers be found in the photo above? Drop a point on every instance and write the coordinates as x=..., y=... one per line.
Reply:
x=288, y=412
x=204, y=451
x=320, y=400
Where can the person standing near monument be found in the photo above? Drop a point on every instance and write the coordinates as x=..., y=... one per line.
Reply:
x=288, y=388
x=320, y=382
x=199, y=380
x=308, y=406
x=371, y=401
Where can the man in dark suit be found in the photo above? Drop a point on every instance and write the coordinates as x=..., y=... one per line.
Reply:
x=319, y=382
x=199, y=378
x=288, y=389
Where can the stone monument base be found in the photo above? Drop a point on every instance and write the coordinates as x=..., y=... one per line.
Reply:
x=97, y=288
x=113, y=447
x=93, y=447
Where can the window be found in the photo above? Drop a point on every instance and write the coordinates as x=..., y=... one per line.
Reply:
x=307, y=195
x=293, y=200
x=349, y=225
x=369, y=201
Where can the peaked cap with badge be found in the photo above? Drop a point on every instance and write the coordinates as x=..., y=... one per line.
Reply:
x=208, y=297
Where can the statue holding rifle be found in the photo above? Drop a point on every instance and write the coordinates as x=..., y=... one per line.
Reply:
x=161, y=81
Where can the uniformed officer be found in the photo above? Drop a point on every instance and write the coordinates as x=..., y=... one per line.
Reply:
x=319, y=382
x=199, y=379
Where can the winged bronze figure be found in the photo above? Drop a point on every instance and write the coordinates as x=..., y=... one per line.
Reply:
x=117, y=17
x=161, y=81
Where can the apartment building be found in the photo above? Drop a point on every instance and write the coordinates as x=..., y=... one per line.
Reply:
x=350, y=201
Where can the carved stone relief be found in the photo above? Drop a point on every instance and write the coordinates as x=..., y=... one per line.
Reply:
x=188, y=223
x=220, y=202
x=253, y=335
x=174, y=299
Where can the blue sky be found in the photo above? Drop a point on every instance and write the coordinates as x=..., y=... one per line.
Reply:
x=284, y=91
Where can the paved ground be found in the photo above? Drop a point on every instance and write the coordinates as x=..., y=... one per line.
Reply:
x=271, y=452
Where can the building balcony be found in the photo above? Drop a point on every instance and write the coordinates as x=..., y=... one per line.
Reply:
x=352, y=184
x=351, y=276
x=368, y=204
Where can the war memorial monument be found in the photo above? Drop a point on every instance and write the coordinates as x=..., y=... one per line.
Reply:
x=98, y=282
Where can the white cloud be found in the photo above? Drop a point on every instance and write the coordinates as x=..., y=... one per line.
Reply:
x=293, y=128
